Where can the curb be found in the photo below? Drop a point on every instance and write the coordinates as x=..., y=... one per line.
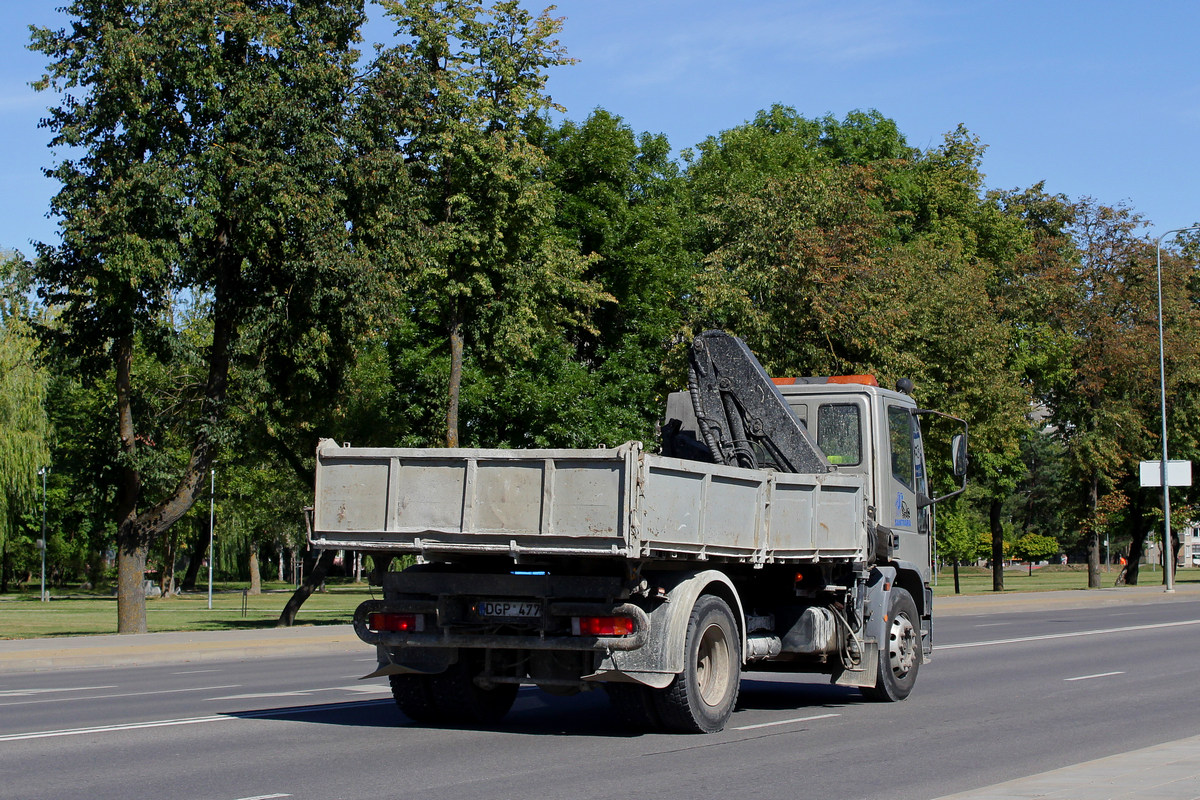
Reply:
x=980, y=604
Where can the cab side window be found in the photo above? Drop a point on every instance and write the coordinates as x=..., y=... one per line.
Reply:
x=901, y=437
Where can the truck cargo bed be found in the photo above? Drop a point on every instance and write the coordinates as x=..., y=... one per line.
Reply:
x=622, y=502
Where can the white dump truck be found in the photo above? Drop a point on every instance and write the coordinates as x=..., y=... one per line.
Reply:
x=784, y=525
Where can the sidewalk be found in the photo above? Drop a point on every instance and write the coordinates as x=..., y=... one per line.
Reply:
x=977, y=604
x=1168, y=771
x=145, y=649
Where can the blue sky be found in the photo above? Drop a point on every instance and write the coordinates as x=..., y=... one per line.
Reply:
x=1097, y=99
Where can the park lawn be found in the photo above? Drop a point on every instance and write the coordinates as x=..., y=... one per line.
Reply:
x=978, y=580
x=77, y=614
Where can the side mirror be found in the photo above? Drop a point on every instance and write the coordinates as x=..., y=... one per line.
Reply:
x=958, y=454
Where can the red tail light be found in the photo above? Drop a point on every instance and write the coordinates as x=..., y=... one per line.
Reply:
x=383, y=621
x=602, y=626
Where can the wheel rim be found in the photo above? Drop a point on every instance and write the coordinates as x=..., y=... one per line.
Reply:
x=902, y=647
x=712, y=665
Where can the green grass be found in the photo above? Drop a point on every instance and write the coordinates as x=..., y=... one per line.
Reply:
x=74, y=613
x=83, y=613
x=978, y=580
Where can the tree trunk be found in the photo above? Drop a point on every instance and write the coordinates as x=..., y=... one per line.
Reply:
x=131, y=547
x=1094, y=538
x=312, y=580
x=255, y=575
x=131, y=595
x=455, y=386
x=957, y=585
x=1094, y=561
x=997, y=546
x=166, y=576
x=199, y=553
x=1173, y=547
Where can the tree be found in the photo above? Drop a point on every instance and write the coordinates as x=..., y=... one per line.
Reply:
x=456, y=102
x=204, y=163
x=24, y=431
x=1104, y=404
x=959, y=537
x=835, y=253
x=1036, y=547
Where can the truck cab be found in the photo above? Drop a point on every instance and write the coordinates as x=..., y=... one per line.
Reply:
x=867, y=430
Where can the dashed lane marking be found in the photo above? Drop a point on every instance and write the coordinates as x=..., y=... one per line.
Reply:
x=1090, y=677
x=784, y=722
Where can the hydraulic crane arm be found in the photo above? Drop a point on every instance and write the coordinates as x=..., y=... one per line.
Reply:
x=742, y=417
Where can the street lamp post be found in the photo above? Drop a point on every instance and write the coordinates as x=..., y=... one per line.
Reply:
x=212, y=491
x=42, y=471
x=1168, y=552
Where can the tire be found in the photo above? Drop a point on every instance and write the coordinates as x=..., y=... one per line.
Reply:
x=900, y=654
x=452, y=697
x=414, y=697
x=459, y=700
x=701, y=698
x=635, y=705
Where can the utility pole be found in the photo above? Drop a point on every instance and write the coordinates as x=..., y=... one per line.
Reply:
x=42, y=471
x=212, y=493
x=1168, y=551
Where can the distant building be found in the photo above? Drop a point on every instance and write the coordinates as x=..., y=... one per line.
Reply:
x=1189, y=552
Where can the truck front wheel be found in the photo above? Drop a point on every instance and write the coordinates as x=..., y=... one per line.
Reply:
x=701, y=698
x=900, y=652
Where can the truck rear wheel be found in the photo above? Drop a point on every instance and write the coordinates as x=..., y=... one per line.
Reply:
x=460, y=700
x=414, y=697
x=701, y=698
x=900, y=653
x=453, y=697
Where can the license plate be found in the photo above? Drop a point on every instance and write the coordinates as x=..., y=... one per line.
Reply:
x=508, y=609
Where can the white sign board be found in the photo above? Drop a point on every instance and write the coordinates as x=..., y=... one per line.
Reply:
x=1179, y=473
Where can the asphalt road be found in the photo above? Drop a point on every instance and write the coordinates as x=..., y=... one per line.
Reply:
x=1008, y=694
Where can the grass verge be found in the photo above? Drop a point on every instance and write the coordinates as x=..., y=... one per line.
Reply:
x=81, y=613
x=978, y=580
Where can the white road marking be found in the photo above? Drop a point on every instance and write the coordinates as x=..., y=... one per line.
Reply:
x=28, y=692
x=264, y=797
x=1089, y=677
x=360, y=689
x=260, y=695
x=992, y=624
x=195, y=671
x=133, y=726
x=169, y=723
x=784, y=722
x=123, y=694
x=1075, y=634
